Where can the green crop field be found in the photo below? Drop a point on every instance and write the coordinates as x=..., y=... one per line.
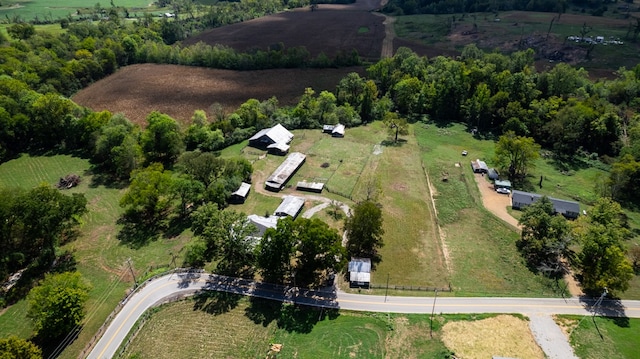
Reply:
x=52, y=9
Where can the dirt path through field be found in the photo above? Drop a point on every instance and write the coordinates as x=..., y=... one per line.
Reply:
x=497, y=204
x=389, y=33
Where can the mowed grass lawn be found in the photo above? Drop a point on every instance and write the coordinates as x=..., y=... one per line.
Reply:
x=101, y=258
x=178, y=330
x=598, y=337
x=482, y=248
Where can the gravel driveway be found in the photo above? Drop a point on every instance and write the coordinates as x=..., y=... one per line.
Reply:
x=550, y=337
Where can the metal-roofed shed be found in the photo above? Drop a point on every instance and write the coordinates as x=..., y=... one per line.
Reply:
x=287, y=168
x=338, y=131
x=310, y=186
x=359, y=272
x=290, y=206
x=240, y=195
x=269, y=136
x=479, y=166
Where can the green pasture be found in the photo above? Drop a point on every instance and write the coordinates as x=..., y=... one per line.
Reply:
x=577, y=184
x=52, y=9
x=598, y=337
x=516, y=25
x=482, y=248
x=101, y=258
x=246, y=329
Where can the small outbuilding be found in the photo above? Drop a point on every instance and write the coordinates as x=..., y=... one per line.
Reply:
x=360, y=273
x=310, y=186
x=327, y=128
x=521, y=199
x=290, y=206
x=338, y=131
x=270, y=136
x=479, y=166
x=240, y=195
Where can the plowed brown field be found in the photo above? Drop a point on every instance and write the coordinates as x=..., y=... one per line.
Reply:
x=178, y=91
x=328, y=29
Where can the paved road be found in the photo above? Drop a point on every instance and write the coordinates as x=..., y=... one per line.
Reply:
x=166, y=287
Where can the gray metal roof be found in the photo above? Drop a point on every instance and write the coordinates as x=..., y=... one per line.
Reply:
x=281, y=175
x=310, y=186
x=478, y=165
x=290, y=206
x=360, y=265
x=502, y=183
x=262, y=223
x=564, y=207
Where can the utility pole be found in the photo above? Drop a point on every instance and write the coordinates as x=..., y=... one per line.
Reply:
x=386, y=291
x=433, y=309
x=135, y=282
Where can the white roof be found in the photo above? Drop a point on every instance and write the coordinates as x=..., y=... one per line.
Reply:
x=277, y=133
x=360, y=277
x=339, y=129
x=290, y=206
x=243, y=191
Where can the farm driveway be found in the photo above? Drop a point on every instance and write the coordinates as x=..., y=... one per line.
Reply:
x=497, y=204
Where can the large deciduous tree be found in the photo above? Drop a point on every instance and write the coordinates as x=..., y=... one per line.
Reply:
x=16, y=348
x=47, y=215
x=545, y=238
x=149, y=196
x=299, y=252
x=516, y=154
x=396, y=125
x=226, y=236
x=602, y=260
x=364, y=231
x=57, y=304
x=161, y=141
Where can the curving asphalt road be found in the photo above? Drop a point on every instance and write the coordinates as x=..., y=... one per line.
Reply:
x=169, y=286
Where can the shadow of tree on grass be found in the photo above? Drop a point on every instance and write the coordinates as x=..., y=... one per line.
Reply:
x=289, y=317
x=216, y=302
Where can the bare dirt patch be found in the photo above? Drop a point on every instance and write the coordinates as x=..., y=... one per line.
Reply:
x=504, y=336
x=178, y=91
x=495, y=202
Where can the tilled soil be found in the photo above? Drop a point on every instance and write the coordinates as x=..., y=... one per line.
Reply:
x=178, y=91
